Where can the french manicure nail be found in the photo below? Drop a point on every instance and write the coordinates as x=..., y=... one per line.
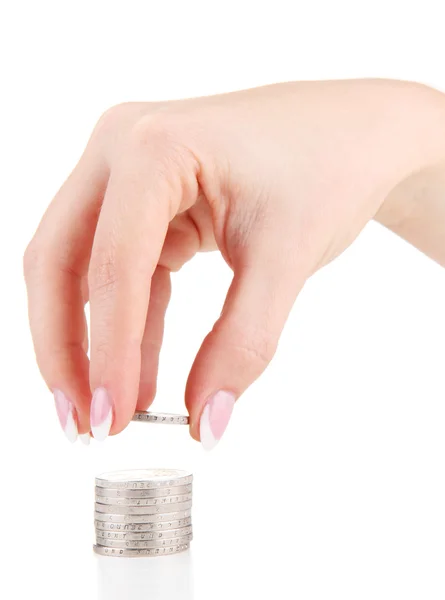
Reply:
x=101, y=415
x=215, y=418
x=67, y=415
x=84, y=438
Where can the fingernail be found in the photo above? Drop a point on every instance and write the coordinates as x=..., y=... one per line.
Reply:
x=85, y=438
x=101, y=416
x=67, y=415
x=215, y=418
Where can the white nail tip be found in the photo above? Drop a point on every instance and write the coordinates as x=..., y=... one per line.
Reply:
x=85, y=438
x=208, y=440
x=71, y=427
x=100, y=432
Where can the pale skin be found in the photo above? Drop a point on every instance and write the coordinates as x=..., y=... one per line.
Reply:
x=279, y=179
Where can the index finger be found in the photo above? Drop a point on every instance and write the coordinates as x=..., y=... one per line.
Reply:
x=146, y=189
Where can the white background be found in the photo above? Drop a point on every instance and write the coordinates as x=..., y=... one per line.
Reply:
x=329, y=482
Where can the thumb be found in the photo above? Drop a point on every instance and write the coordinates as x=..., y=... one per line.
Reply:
x=241, y=344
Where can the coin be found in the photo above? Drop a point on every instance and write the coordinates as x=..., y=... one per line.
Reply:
x=160, y=418
x=142, y=527
x=164, y=501
x=143, y=535
x=141, y=510
x=105, y=551
x=144, y=479
x=157, y=518
x=154, y=493
x=134, y=544
x=145, y=512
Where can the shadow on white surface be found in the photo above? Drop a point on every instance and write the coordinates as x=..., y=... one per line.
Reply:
x=163, y=578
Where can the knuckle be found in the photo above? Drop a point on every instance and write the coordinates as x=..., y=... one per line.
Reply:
x=43, y=260
x=259, y=351
x=102, y=276
x=109, y=124
x=254, y=348
x=163, y=139
x=157, y=129
x=110, y=117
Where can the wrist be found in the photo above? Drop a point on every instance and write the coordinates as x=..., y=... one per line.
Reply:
x=415, y=208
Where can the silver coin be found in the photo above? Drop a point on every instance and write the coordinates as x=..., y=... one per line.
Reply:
x=157, y=518
x=141, y=510
x=134, y=544
x=164, y=501
x=104, y=551
x=160, y=418
x=157, y=526
x=142, y=535
x=140, y=479
x=154, y=493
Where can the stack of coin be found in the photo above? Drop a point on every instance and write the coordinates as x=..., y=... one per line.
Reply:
x=143, y=512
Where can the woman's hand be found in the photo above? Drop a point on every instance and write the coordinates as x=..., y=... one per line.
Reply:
x=280, y=179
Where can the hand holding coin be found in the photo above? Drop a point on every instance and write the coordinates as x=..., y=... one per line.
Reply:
x=279, y=179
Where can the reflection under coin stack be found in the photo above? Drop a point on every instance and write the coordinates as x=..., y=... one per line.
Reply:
x=143, y=512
